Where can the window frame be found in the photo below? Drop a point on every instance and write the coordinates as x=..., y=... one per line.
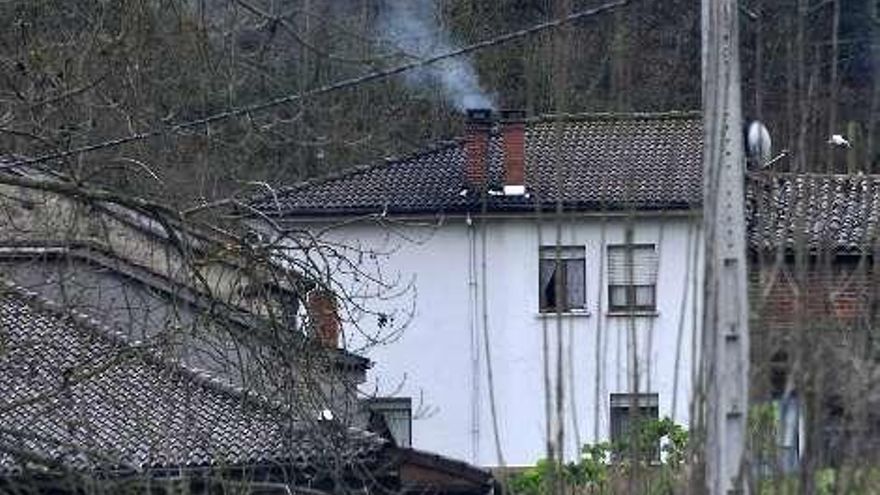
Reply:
x=630, y=305
x=621, y=405
x=562, y=265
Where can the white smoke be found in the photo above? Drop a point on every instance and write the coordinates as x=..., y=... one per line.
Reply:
x=413, y=26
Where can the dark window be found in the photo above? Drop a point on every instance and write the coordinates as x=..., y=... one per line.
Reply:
x=628, y=412
x=561, y=279
x=632, y=277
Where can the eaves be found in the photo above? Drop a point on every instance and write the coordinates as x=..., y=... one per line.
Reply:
x=348, y=217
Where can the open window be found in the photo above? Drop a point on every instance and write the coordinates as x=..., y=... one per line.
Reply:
x=562, y=282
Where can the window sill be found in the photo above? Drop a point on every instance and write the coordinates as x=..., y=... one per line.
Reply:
x=653, y=313
x=564, y=314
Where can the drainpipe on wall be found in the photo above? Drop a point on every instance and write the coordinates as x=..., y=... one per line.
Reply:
x=474, y=333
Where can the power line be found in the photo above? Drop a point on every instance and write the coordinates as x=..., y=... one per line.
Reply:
x=322, y=90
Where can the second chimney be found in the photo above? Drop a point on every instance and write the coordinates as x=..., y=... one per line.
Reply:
x=476, y=147
x=513, y=134
x=324, y=316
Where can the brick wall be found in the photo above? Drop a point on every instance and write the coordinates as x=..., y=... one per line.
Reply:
x=814, y=332
x=829, y=304
x=833, y=294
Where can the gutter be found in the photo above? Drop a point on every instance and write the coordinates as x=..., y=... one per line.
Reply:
x=378, y=216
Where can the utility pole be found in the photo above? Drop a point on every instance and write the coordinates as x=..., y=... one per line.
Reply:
x=722, y=405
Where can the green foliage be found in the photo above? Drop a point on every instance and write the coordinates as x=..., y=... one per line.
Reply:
x=844, y=481
x=603, y=466
x=763, y=423
x=671, y=437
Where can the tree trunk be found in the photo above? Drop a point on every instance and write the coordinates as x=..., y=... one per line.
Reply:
x=833, y=81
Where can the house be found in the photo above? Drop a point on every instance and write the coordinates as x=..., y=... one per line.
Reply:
x=530, y=257
x=813, y=240
x=78, y=397
x=141, y=352
x=196, y=291
x=84, y=409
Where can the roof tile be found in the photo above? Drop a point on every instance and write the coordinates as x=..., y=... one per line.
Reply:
x=821, y=211
x=645, y=161
x=77, y=394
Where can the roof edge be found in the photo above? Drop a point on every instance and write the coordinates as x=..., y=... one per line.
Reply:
x=598, y=116
x=790, y=175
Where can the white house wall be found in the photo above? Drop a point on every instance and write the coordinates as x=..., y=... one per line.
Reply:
x=440, y=359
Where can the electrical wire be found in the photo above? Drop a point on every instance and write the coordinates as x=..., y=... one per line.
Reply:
x=322, y=90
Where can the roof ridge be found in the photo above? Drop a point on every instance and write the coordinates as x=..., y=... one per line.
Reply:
x=94, y=325
x=596, y=116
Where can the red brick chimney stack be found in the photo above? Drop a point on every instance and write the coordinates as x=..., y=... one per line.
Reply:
x=476, y=147
x=513, y=134
x=324, y=316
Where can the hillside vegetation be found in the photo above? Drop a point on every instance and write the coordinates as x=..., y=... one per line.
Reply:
x=80, y=72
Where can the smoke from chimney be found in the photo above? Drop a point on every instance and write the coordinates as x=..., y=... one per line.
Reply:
x=414, y=27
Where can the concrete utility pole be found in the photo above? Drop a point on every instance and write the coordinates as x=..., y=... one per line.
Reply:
x=723, y=406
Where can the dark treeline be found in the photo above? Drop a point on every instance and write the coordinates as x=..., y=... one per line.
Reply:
x=74, y=72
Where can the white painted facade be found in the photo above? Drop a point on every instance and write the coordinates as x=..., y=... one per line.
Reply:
x=476, y=308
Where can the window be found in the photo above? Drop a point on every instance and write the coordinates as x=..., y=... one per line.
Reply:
x=392, y=414
x=561, y=281
x=632, y=278
x=628, y=411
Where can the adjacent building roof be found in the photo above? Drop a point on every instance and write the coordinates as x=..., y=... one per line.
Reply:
x=189, y=262
x=76, y=395
x=425, y=472
x=110, y=261
x=605, y=161
x=819, y=211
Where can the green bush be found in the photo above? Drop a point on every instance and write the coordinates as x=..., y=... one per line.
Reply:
x=594, y=472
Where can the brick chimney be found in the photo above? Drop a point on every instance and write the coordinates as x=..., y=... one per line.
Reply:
x=513, y=134
x=476, y=147
x=324, y=316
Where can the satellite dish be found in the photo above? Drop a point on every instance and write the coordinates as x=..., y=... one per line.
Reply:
x=759, y=147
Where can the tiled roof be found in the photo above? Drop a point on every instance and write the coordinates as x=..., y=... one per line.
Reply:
x=644, y=161
x=605, y=162
x=96, y=255
x=824, y=211
x=76, y=394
